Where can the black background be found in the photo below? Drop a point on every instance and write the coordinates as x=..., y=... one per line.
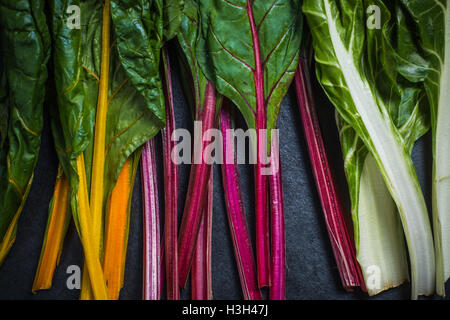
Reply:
x=311, y=270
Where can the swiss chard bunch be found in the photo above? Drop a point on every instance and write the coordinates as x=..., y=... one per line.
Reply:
x=100, y=122
x=432, y=20
x=254, y=68
x=373, y=77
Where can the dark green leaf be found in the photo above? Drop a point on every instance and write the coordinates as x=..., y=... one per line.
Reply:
x=226, y=51
x=25, y=44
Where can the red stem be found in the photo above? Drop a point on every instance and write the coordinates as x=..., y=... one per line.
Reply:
x=196, y=193
x=278, y=240
x=236, y=214
x=341, y=242
x=151, y=285
x=261, y=206
x=201, y=277
x=170, y=188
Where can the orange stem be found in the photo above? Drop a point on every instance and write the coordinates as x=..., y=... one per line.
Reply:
x=54, y=237
x=117, y=232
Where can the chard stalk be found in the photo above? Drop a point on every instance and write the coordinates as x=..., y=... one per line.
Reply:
x=277, y=233
x=341, y=243
x=170, y=189
x=116, y=230
x=152, y=254
x=261, y=206
x=240, y=234
x=98, y=163
x=197, y=189
x=91, y=251
x=201, y=278
x=98, y=160
x=57, y=223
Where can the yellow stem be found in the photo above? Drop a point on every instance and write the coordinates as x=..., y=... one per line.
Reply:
x=54, y=236
x=10, y=235
x=91, y=252
x=116, y=232
x=86, y=292
x=98, y=161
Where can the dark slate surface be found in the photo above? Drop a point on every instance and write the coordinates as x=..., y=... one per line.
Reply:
x=311, y=270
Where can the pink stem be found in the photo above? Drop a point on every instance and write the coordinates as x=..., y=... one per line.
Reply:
x=170, y=188
x=235, y=211
x=151, y=285
x=196, y=193
x=162, y=267
x=278, y=268
x=261, y=206
x=341, y=242
x=201, y=277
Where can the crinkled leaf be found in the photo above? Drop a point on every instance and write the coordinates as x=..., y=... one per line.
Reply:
x=432, y=19
x=193, y=80
x=172, y=13
x=227, y=55
x=139, y=44
x=359, y=70
x=25, y=44
x=131, y=119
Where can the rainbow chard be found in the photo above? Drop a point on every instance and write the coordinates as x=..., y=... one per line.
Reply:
x=240, y=234
x=72, y=124
x=152, y=254
x=145, y=37
x=378, y=233
x=117, y=222
x=159, y=23
x=277, y=234
x=432, y=19
x=203, y=101
x=341, y=241
x=172, y=13
x=371, y=82
x=94, y=90
x=253, y=68
x=170, y=188
x=201, y=277
x=57, y=223
x=25, y=50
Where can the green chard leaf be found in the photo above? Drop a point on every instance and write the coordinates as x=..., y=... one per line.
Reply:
x=139, y=46
x=193, y=79
x=134, y=109
x=76, y=59
x=432, y=19
x=378, y=232
x=371, y=79
x=131, y=119
x=25, y=44
x=227, y=57
x=249, y=50
x=172, y=14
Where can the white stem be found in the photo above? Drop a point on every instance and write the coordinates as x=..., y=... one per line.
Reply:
x=381, y=251
x=395, y=165
x=441, y=185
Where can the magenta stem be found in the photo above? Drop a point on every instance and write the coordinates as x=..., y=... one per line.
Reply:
x=261, y=205
x=237, y=221
x=151, y=276
x=277, y=231
x=170, y=188
x=196, y=193
x=341, y=242
x=201, y=276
